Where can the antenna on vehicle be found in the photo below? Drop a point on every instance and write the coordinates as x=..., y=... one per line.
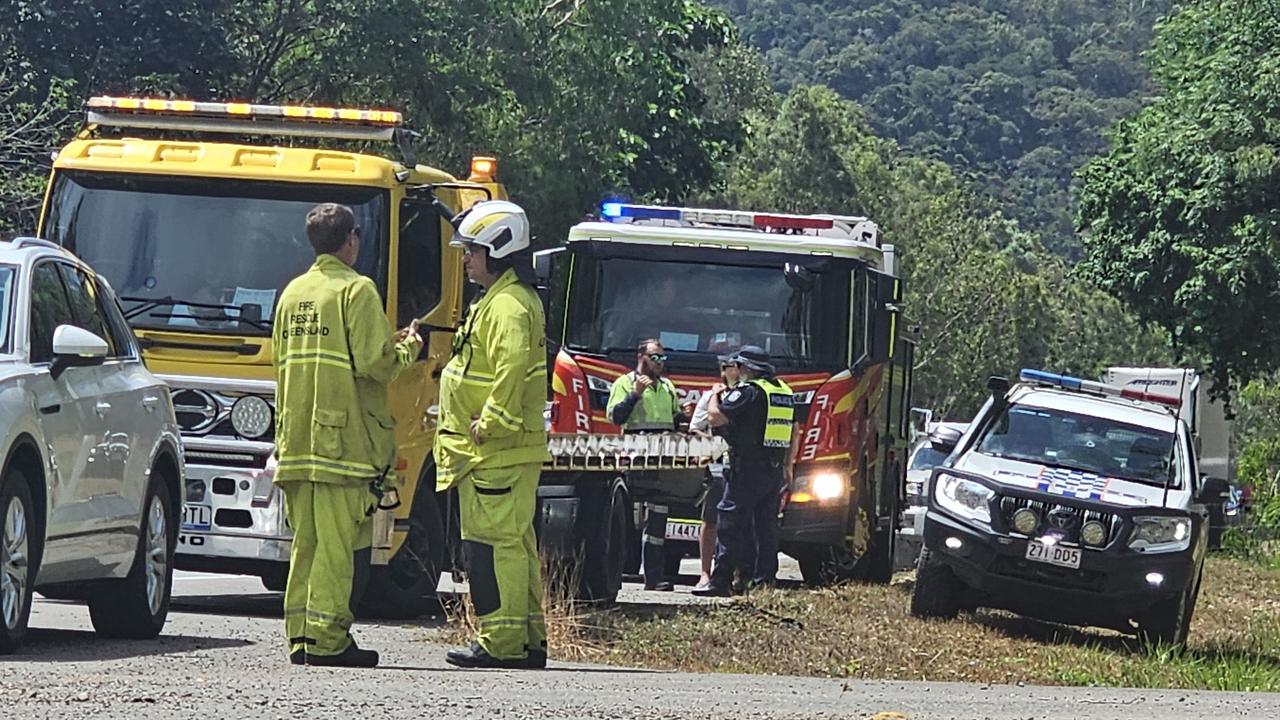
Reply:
x=1173, y=447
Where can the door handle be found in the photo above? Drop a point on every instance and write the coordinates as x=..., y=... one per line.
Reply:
x=101, y=408
x=150, y=402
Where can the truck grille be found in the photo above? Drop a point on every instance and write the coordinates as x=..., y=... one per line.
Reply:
x=196, y=410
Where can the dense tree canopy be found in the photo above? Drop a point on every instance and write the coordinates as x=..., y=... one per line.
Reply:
x=1013, y=94
x=1183, y=215
x=989, y=300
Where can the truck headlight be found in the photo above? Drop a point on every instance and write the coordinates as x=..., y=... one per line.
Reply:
x=1160, y=533
x=964, y=498
x=251, y=416
x=827, y=486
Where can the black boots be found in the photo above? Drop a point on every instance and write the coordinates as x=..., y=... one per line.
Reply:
x=476, y=657
x=351, y=657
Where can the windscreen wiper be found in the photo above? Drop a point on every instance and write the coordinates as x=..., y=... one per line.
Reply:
x=149, y=304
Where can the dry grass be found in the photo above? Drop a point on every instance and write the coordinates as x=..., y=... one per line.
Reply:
x=866, y=632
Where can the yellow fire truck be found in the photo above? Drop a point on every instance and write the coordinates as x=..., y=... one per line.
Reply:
x=193, y=211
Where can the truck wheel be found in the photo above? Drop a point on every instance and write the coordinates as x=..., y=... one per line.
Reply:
x=604, y=545
x=937, y=591
x=20, y=549
x=137, y=606
x=1169, y=621
x=276, y=577
x=406, y=587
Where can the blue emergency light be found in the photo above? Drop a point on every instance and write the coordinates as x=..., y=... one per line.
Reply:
x=1048, y=378
x=614, y=210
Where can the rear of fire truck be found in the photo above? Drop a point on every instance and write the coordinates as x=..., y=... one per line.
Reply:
x=194, y=212
x=818, y=292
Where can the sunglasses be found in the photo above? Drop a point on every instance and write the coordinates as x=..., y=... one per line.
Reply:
x=727, y=365
x=658, y=357
x=356, y=229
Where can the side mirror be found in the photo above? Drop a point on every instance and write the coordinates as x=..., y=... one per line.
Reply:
x=944, y=439
x=1213, y=490
x=75, y=347
x=543, y=261
x=997, y=385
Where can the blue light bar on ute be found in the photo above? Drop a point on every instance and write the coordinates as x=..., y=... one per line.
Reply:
x=1066, y=382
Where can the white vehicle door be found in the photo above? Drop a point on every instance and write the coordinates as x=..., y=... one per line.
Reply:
x=73, y=427
x=128, y=399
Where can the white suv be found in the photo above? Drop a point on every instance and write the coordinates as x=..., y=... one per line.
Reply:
x=92, y=462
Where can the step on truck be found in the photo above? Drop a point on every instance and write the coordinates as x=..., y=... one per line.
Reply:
x=194, y=212
x=819, y=292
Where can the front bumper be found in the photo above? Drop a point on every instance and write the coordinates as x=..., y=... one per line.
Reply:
x=1108, y=589
x=244, y=514
x=815, y=523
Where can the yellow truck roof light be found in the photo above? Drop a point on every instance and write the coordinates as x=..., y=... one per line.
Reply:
x=483, y=169
x=244, y=118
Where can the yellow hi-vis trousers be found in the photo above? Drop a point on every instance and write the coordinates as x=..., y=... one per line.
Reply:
x=331, y=526
x=496, y=508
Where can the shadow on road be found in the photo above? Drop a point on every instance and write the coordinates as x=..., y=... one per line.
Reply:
x=270, y=606
x=46, y=645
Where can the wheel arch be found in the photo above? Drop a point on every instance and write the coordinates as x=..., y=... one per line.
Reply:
x=25, y=455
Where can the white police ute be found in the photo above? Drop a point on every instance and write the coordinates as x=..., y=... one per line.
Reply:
x=1070, y=501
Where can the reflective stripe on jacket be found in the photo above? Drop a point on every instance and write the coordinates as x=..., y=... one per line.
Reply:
x=334, y=358
x=498, y=374
x=780, y=414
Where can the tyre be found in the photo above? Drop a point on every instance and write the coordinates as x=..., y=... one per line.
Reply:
x=1169, y=621
x=604, y=545
x=276, y=577
x=20, y=550
x=822, y=566
x=406, y=587
x=938, y=591
x=137, y=606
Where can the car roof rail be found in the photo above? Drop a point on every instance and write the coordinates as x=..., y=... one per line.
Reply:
x=21, y=242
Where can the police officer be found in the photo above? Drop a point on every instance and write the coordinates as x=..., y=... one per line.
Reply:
x=334, y=356
x=645, y=398
x=755, y=418
x=492, y=439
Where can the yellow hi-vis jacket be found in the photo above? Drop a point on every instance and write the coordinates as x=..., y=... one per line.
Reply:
x=334, y=356
x=498, y=375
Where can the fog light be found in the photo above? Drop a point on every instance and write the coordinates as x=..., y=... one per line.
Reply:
x=1155, y=578
x=251, y=416
x=1093, y=533
x=1025, y=520
x=954, y=543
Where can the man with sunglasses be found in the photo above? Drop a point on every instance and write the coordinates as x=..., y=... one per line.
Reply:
x=334, y=355
x=646, y=399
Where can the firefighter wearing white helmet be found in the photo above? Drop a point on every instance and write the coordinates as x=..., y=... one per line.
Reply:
x=492, y=439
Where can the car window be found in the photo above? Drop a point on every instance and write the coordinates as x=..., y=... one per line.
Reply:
x=49, y=309
x=6, y=298
x=927, y=458
x=86, y=307
x=1083, y=442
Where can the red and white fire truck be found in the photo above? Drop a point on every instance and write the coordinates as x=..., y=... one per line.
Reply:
x=819, y=292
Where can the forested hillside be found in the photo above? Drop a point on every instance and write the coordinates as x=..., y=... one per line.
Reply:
x=1014, y=94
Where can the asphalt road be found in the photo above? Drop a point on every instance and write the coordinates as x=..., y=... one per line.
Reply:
x=221, y=656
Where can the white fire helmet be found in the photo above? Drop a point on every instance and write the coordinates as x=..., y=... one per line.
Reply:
x=498, y=225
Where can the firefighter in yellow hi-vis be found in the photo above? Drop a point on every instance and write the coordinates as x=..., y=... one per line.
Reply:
x=335, y=448
x=492, y=439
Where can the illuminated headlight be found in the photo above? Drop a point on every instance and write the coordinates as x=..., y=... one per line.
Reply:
x=827, y=486
x=1025, y=520
x=251, y=416
x=1093, y=533
x=964, y=498
x=1160, y=533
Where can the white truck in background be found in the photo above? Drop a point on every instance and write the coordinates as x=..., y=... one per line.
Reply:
x=1209, y=425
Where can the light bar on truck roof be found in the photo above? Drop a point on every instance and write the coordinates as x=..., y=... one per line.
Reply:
x=859, y=227
x=1066, y=382
x=232, y=117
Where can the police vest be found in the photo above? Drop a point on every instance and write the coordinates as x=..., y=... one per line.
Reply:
x=781, y=413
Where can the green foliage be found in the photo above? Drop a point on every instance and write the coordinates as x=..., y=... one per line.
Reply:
x=1183, y=215
x=988, y=298
x=1013, y=94
x=577, y=99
